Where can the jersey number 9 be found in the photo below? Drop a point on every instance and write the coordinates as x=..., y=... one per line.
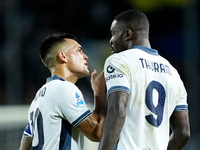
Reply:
x=156, y=119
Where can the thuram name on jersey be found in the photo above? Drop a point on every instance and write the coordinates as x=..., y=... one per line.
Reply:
x=154, y=66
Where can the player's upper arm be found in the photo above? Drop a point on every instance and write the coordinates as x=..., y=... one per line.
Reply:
x=91, y=128
x=179, y=122
x=117, y=101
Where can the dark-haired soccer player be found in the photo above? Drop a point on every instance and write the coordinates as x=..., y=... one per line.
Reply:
x=145, y=92
x=58, y=116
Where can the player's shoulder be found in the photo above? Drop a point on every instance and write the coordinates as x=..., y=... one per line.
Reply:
x=119, y=56
x=67, y=85
x=60, y=87
x=58, y=82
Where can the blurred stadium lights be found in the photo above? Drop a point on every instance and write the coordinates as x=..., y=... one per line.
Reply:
x=150, y=5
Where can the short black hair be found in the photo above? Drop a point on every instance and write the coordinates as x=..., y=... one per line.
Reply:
x=51, y=40
x=134, y=19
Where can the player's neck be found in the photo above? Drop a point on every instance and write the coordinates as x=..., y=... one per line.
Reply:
x=142, y=40
x=64, y=74
x=146, y=44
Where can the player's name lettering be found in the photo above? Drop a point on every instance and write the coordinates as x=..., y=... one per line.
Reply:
x=154, y=66
x=114, y=76
x=40, y=93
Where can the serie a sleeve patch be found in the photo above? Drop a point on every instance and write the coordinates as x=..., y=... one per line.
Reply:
x=78, y=99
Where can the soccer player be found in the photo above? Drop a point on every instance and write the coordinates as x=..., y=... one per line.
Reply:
x=145, y=93
x=58, y=116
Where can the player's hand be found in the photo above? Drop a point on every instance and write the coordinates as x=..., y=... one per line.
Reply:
x=98, y=83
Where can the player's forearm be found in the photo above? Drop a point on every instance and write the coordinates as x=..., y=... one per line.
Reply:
x=98, y=130
x=26, y=143
x=99, y=113
x=100, y=105
x=111, y=130
x=173, y=145
x=177, y=142
x=99, y=88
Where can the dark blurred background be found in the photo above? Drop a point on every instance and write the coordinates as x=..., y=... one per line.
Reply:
x=174, y=32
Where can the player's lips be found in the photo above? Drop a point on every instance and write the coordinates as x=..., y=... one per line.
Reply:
x=86, y=64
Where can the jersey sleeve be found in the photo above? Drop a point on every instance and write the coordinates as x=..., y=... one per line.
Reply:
x=71, y=105
x=182, y=101
x=27, y=131
x=116, y=75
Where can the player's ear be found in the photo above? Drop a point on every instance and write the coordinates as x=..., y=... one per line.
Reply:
x=129, y=34
x=61, y=57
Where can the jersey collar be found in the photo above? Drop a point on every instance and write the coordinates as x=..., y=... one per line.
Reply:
x=55, y=77
x=146, y=49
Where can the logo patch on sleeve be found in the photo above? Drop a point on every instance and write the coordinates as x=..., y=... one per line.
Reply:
x=110, y=69
x=78, y=99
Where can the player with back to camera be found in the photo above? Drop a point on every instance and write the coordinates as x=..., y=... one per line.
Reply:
x=144, y=91
x=58, y=116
